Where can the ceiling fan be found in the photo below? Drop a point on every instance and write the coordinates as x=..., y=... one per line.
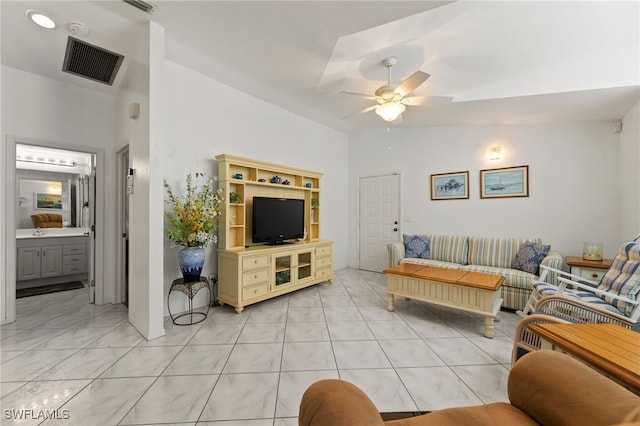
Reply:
x=392, y=99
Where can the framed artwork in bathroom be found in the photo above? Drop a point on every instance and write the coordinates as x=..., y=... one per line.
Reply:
x=48, y=201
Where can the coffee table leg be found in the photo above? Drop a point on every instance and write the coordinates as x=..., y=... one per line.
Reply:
x=488, y=327
x=389, y=302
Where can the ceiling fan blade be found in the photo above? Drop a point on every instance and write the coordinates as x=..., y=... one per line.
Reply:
x=359, y=95
x=426, y=100
x=410, y=83
x=371, y=108
x=413, y=100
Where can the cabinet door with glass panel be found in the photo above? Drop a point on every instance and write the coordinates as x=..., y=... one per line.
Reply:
x=292, y=268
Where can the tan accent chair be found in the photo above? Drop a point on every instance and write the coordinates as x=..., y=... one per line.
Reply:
x=545, y=388
x=47, y=220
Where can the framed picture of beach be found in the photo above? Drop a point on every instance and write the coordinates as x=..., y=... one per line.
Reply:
x=47, y=201
x=505, y=182
x=450, y=186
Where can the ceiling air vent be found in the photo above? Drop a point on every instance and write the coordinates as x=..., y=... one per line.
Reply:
x=92, y=62
x=139, y=4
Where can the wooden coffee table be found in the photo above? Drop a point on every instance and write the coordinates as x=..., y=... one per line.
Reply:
x=475, y=292
x=609, y=348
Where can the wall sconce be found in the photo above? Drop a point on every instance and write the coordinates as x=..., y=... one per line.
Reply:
x=496, y=152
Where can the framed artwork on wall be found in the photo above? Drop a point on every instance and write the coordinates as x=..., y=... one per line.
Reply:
x=450, y=186
x=505, y=182
x=48, y=201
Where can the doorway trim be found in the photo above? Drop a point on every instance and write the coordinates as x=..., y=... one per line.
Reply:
x=119, y=295
x=358, y=207
x=9, y=283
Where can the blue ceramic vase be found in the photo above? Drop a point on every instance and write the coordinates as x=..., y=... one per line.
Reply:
x=191, y=261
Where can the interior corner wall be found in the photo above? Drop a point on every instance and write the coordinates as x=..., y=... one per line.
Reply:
x=205, y=118
x=629, y=184
x=142, y=84
x=573, y=181
x=42, y=109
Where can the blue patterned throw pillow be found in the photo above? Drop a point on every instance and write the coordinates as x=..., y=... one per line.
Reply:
x=530, y=256
x=416, y=246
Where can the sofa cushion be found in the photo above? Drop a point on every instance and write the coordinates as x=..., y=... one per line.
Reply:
x=431, y=262
x=416, y=246
x=512, y=277
x=623, y=278
x=530, y=256
x=449, y=248
x=498, y=252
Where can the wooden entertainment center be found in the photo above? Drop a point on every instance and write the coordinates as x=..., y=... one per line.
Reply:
x=251, y=273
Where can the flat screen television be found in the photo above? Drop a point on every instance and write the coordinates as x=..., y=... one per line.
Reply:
x=276, y=220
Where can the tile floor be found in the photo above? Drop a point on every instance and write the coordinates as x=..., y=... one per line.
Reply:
x=87, y=363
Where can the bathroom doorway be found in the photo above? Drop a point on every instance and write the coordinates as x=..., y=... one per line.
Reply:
x=54, y=221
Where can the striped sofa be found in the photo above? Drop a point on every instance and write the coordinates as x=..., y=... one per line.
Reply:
x=479, y=254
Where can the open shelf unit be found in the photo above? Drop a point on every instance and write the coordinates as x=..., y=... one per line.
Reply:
x=251, y=273
x=256, y=181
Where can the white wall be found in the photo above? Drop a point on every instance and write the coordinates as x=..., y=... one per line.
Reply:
x=38, y=109
x=142, y=84
x=573, y=182
x=205, y=118
x=630, y=174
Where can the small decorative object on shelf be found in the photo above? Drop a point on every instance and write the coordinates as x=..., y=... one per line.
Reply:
x=286, y=182
x=308, y=184
x=238, y=176
x=592, y=251
x=262, y=180
x=193, y=222
x=276, y=179
x=234, y=198
x=315, y=203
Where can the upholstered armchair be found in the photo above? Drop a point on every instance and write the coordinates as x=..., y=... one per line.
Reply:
x=47, y=220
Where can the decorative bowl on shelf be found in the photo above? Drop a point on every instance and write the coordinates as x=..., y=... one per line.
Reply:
x=276, y=179
x=238, y=175
x=286, y=182
x=262, y=180
x=308, y=184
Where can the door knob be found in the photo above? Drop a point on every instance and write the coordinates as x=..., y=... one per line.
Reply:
x=395, y=229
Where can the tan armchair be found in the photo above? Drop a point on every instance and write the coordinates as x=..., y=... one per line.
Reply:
x=545, y=388
x=47, y=220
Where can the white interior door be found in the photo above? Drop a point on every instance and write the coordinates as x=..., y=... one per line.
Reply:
x=379, y=219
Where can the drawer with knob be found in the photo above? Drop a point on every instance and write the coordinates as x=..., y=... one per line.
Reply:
x=592, y=274
x=255, y=291
x=255, y=262
x=253, y=277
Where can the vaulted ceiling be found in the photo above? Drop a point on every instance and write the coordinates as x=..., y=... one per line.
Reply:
x=503, y=62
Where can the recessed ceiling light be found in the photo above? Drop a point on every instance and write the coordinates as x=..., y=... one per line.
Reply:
x=41, y=19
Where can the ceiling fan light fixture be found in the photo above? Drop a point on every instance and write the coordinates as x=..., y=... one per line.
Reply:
x=389, y=111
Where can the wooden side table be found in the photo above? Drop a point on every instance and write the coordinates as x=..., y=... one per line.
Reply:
x=190, y=290
x=609, y=348
x=592, y=270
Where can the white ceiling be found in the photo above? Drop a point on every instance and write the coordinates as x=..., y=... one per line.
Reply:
x=504, y=62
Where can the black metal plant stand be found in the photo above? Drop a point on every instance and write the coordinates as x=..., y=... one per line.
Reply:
x=190, y=290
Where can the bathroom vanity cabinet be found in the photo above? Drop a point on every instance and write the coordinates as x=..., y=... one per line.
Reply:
x=56, y=258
